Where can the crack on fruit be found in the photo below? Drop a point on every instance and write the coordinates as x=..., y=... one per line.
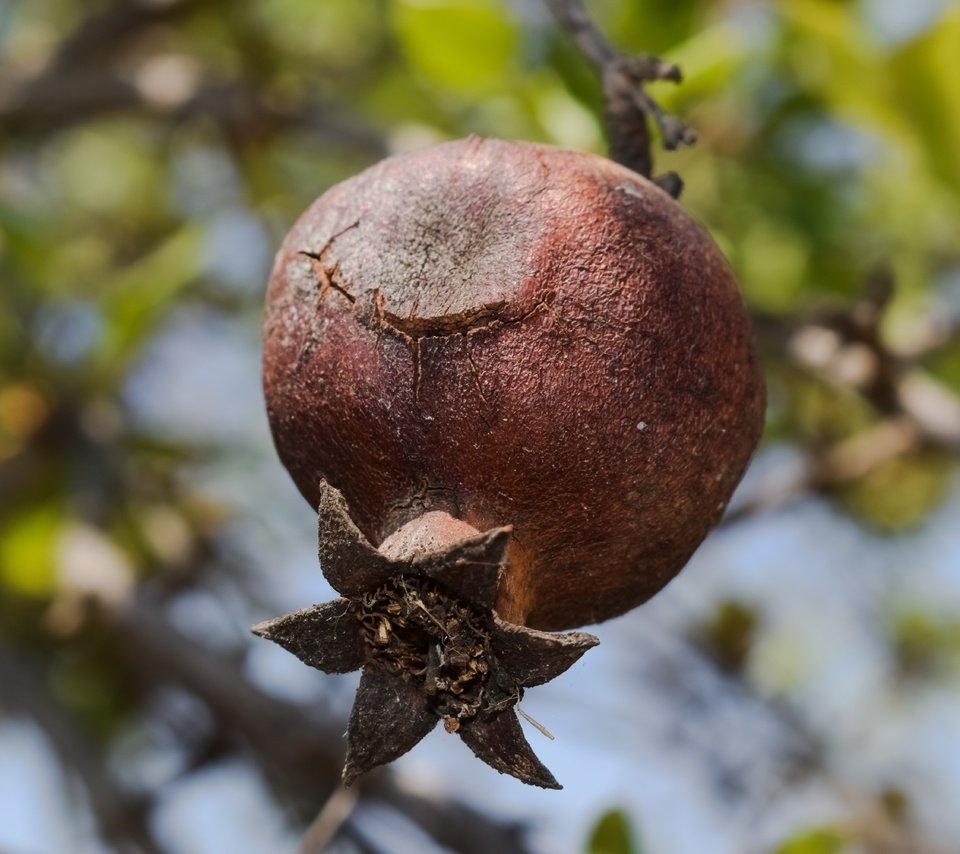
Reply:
x=476, y=381
x=414, y=344
x=543, y=303
x=306, y=351
x=441, y=326
x=328, y=277
x=415, y=628
x=371, y=313
x=546, y=171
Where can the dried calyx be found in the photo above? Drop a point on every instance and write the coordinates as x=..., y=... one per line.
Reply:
x=418, y=616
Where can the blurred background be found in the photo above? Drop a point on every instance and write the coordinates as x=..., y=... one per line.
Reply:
x=795, y=691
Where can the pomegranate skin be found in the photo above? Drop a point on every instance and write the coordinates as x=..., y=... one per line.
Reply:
x=518, y=335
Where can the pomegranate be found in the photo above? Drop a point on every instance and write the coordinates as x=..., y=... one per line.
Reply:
x=519, y=384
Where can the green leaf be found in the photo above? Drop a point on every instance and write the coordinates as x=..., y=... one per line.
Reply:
x=899, y=495
x=78, y=160
x=27, y=550
x=928, y=92
x=820, y=840
x=337, y=35
x=612, y=834
x=772, y=260
x=708, y=60
x=137, y=297
x=465, y=46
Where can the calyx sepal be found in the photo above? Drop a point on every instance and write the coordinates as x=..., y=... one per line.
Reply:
x=417, y=615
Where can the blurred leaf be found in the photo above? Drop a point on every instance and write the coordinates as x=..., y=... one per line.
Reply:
x=772, y=260
x=27, y=543
x=928, y=88
x=707, y=59
x=822, y=840
x=88, y=679
x=898, y=495
x=647, y=26
x=925, y=645
x=340, y=35
x=567, y=122
x=945, y=365
x=820, y=412
x=613, y=834
x=728, y=634
x=466, y=46
x=88, y=187
x=137, y=297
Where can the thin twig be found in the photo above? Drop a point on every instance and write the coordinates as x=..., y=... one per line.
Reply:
x=573, y=17
x=842, y=464
x=627, y=104
x=50, y=103
x=536, y=723
x=329, y=821
x=846, y=350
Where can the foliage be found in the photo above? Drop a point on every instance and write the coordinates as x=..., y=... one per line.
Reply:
x=613, y=834
x=822, y=840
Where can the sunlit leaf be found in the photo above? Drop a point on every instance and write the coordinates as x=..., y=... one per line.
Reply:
x=137, y=296
x=27, y=550
x=925, y=78
x=707, y=59
x=334, y=34
x=466, y=46
x=648, y=25
x=821, y=840
x=772, y=261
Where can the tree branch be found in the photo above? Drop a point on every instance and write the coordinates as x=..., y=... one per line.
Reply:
x=105, y=31
x=49, y=103
x=81, y=82
x=627, y=104
x=120, y=818
x=846, y=350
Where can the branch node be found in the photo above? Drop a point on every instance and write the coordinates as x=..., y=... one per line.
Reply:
x=670, y=182
x=628, y=106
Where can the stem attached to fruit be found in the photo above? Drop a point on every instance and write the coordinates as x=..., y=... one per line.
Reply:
x=628, y=106
x=417, y=615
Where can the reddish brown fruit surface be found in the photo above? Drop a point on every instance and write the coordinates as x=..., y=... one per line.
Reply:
x=516, y=335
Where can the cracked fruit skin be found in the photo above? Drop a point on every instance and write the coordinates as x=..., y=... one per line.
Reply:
x=518, y=335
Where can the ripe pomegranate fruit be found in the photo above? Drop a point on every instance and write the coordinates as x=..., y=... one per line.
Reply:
x=518, y=383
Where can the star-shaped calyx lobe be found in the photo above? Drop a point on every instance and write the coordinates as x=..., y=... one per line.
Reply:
x=417, y=615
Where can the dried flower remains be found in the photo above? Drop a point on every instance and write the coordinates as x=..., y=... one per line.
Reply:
x=418, y=617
